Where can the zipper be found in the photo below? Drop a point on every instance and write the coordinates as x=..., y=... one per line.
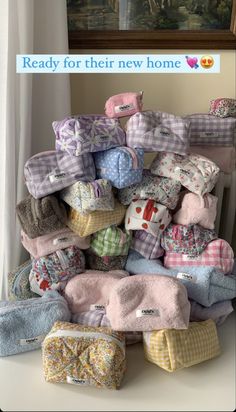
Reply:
x=133, y=154
x=63, y=259
x=96, y=189
x=63, y=333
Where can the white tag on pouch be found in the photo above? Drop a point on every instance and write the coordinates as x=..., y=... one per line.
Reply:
x=186, y=276
x=147, y=312
x=29, y=341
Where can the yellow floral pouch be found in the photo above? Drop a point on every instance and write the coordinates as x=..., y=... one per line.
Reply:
x=173, y=349
x=85, y=225
x=84, y=355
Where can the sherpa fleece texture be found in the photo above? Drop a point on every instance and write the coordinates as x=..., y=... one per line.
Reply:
x=148, y=302
x=41, y=216
x=28, y=319
x=205, y=284
x=217, y=312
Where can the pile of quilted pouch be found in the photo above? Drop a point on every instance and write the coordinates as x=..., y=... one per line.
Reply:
x=119, y=253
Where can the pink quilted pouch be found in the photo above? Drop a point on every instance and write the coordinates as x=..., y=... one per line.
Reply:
x=124, y=104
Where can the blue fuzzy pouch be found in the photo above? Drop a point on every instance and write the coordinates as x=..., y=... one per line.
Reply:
x=24, y=324
x=123, y=166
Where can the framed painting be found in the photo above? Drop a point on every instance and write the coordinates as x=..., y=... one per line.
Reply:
x=152, y=24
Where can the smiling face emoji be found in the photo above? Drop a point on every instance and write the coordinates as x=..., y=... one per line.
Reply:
x=207, y=62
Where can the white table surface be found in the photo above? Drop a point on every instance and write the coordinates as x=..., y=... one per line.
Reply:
x=209, y=386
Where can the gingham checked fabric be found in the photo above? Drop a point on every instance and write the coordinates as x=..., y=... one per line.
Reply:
x=176, y=349
x=112, y=241
x=88, y=133
x=158, y=131
x=85, y=225
x=206, y=129
x=218, y=253
x=48, y=172
x=147, y=245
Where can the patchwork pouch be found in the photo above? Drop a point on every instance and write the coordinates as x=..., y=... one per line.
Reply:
x=206, y=129
x=197, y=173
x=223, y=107
x=176, y=349
x=158, y=132
x=197, y=209
x=39, y=217
x=87, y=133
x=147, y=215
x=148, y=302
x=122, y=166
x=98, y=318
x=24, y=324
x=112, y=241
x=47, y=244
x=53, y=271
x=147, y=245
x=18, y=282
x=218, y=253
x=189, y=240
x=48, y=172
x=124, y=104
x=86, y=197
x=85, y=225
x=104, y=263
x=161, y=189
x=91, y=290
x=84, y=355
x=218, y=311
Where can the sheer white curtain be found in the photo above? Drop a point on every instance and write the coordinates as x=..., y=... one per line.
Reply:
x=28, y=105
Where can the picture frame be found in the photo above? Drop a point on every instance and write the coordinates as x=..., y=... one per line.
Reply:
x=158, y=39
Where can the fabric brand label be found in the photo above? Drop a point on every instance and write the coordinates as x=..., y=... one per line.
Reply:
x=187, y=258
x=208, y=134
x=124, y=107
x=147, y=312
x=162, y=133
x=60, y=240
x=186, y=276
x=29, y=341
x=145, y=193
x=76, y=381
x=97, y=307
x=56, y=177
x=184, y=171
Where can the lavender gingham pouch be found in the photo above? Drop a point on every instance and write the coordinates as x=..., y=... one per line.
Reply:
x=209, y=130
x=161, y=189
x=88, y=133
x=158, y=131
x=51, y=171
x=147, y=245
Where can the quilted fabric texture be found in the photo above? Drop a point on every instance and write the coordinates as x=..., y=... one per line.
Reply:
x=190, y=240
x=85, y=133
x=206, y=129
x=147, y=245
x=223, y=107
x=48, y=172
x=158, y=132
x=176, y=349
x=47, y=244
x=87, y=197
x=25, y=323
x=197, y=209
x=197, y=173
x=39, y=217
x=51, y=272
x=124, y=104
x=147, y=215
x=104, y=263
x=148, y=302
x=84, y=355
x=18, y=282
x=91, y=289
x=161, y=189
x=218, y=253
x=123, y=166
x=112, y=241
x=85, y=225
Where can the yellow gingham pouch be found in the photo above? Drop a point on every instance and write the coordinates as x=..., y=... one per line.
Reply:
x=85, y=225
x=84, y=355
x=173, y=349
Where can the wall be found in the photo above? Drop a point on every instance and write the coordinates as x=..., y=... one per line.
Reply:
x=174, y=93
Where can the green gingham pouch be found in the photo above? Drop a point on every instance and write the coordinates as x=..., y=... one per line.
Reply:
x=18, y=283
x=112, y=241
